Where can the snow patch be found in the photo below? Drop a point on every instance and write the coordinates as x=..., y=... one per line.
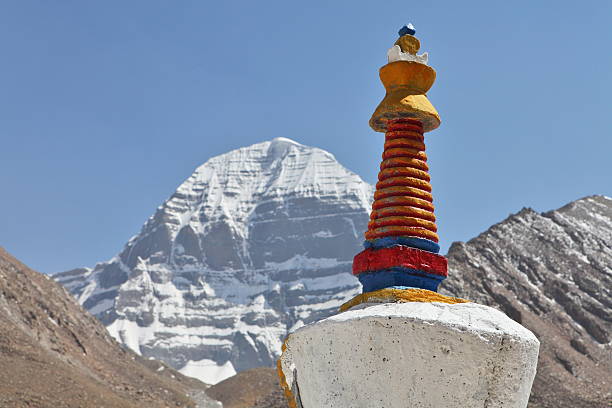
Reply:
x=302, y=262
x=208, y=371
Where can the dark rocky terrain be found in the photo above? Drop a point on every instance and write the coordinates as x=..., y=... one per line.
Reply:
x=54, y=354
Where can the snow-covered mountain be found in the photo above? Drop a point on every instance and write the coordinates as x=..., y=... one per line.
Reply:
x=256, y=242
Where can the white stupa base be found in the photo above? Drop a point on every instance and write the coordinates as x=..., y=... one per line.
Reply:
x=398, y=355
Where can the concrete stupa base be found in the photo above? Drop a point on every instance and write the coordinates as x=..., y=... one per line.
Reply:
x=414, y=354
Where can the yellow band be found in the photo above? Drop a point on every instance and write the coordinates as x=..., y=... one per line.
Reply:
x=406, y=152
x=403, y=191
x=391, y=295
x=402, y=210
x=404, y=181
x=402, y=221
x=396, y=201
x=403, y=142
x=403, y=171
x=401, y=231
x=404, y=162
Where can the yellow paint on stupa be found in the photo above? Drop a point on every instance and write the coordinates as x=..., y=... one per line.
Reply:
x=406, y=83
x=283, y=380
x=414, y=77
x=392, y=295
x=409, y=44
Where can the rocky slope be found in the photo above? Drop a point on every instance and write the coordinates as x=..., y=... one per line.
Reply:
x=551, y=272
x=254, y=388
x=54, y=354
x=255, y=242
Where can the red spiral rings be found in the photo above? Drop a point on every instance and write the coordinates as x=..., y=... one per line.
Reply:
x=403, y=204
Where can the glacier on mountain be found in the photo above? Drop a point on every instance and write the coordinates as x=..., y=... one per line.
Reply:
x=256, y=242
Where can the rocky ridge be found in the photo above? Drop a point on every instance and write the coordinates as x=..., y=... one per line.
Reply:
x=551, y=272
x=55, y=354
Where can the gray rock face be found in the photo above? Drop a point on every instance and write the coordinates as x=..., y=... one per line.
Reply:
x=552, y=273
x=255, y=242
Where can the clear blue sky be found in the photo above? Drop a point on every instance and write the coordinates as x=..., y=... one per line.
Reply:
x=107, y=106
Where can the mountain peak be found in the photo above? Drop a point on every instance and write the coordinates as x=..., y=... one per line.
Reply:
x=280, y=146
x=230, y=185
x=284, y=140
x=210, y=283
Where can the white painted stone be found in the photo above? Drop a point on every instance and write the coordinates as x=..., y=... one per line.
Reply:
x=395, y=53
x=399, y=355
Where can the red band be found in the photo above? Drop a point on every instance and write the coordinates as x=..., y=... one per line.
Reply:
x=372, y=260
x=393, y=124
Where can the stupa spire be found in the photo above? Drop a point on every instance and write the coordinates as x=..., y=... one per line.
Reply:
x=400, y=343
x=402, y=238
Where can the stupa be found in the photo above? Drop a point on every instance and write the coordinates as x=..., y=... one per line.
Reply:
x=400, y=343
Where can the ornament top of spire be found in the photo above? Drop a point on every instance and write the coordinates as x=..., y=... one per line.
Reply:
x=407, y=77
x=406, y=47
x=407, y=29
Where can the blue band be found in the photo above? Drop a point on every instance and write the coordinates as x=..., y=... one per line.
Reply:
x=398, y=276
x=420, y=243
